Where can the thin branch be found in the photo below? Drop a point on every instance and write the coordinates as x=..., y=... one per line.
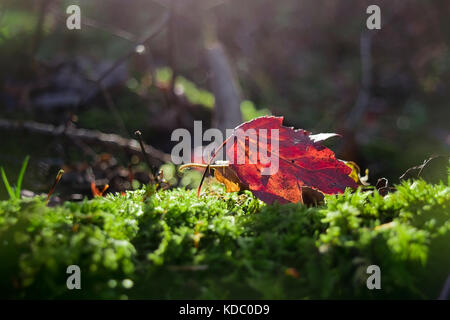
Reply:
x=98, y=82
x=150, y=166
x=92, y=23
x=90, y=137
x=154, y=32
x=109, y=101
x=120, y=33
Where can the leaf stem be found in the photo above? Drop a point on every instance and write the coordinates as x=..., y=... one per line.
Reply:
x=58, y=177
x=138, y=134
x=209, y=164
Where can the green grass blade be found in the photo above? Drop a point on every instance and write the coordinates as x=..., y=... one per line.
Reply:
x=20, y=178
x=7, y=185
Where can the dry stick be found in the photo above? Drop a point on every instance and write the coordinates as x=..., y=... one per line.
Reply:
x=120, y=33
x=141, y=143
x=420, y=167
x=58, y=177
x=92, y=23
x=109, y=101
x=113, y=141
x=159, y=27
x=154, y=32
x=106, y=95
x=105, y=92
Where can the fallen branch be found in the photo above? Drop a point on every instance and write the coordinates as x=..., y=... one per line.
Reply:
x=108, y=140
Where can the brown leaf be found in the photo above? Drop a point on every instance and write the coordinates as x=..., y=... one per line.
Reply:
x=228, y=177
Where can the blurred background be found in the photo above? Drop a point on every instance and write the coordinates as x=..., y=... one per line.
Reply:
x=158, y=65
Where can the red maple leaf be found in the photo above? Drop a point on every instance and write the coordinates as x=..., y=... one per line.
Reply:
x=302, y=162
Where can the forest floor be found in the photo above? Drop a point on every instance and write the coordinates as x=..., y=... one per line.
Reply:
x=170, y=244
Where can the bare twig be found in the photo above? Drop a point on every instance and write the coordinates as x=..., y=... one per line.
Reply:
x=419, y=167
x=109, y=101
x=112, y=141
x=92, y=23
x=154, y=32
x=120, y=33
x=150, y=166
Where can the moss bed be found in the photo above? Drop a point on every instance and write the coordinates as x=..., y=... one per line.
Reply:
x=173, y=245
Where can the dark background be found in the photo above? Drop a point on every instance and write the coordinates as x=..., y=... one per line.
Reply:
x=313, y=62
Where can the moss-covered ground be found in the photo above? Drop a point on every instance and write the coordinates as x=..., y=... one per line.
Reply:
x=171, y=244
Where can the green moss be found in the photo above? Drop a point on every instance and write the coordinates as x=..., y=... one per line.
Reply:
x=171, y=244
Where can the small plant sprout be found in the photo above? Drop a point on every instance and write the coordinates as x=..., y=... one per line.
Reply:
x=58, y=177
x=15, y=194
x=138, y=134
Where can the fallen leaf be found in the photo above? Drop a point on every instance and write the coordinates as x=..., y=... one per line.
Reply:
x=356, y=173
x=312, y=197
x=303, y=162
x=383, y=187
x=228, y=177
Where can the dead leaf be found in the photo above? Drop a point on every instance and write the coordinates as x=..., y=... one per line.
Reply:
x=229, y=178
x=356, y=173
x=303, y=162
